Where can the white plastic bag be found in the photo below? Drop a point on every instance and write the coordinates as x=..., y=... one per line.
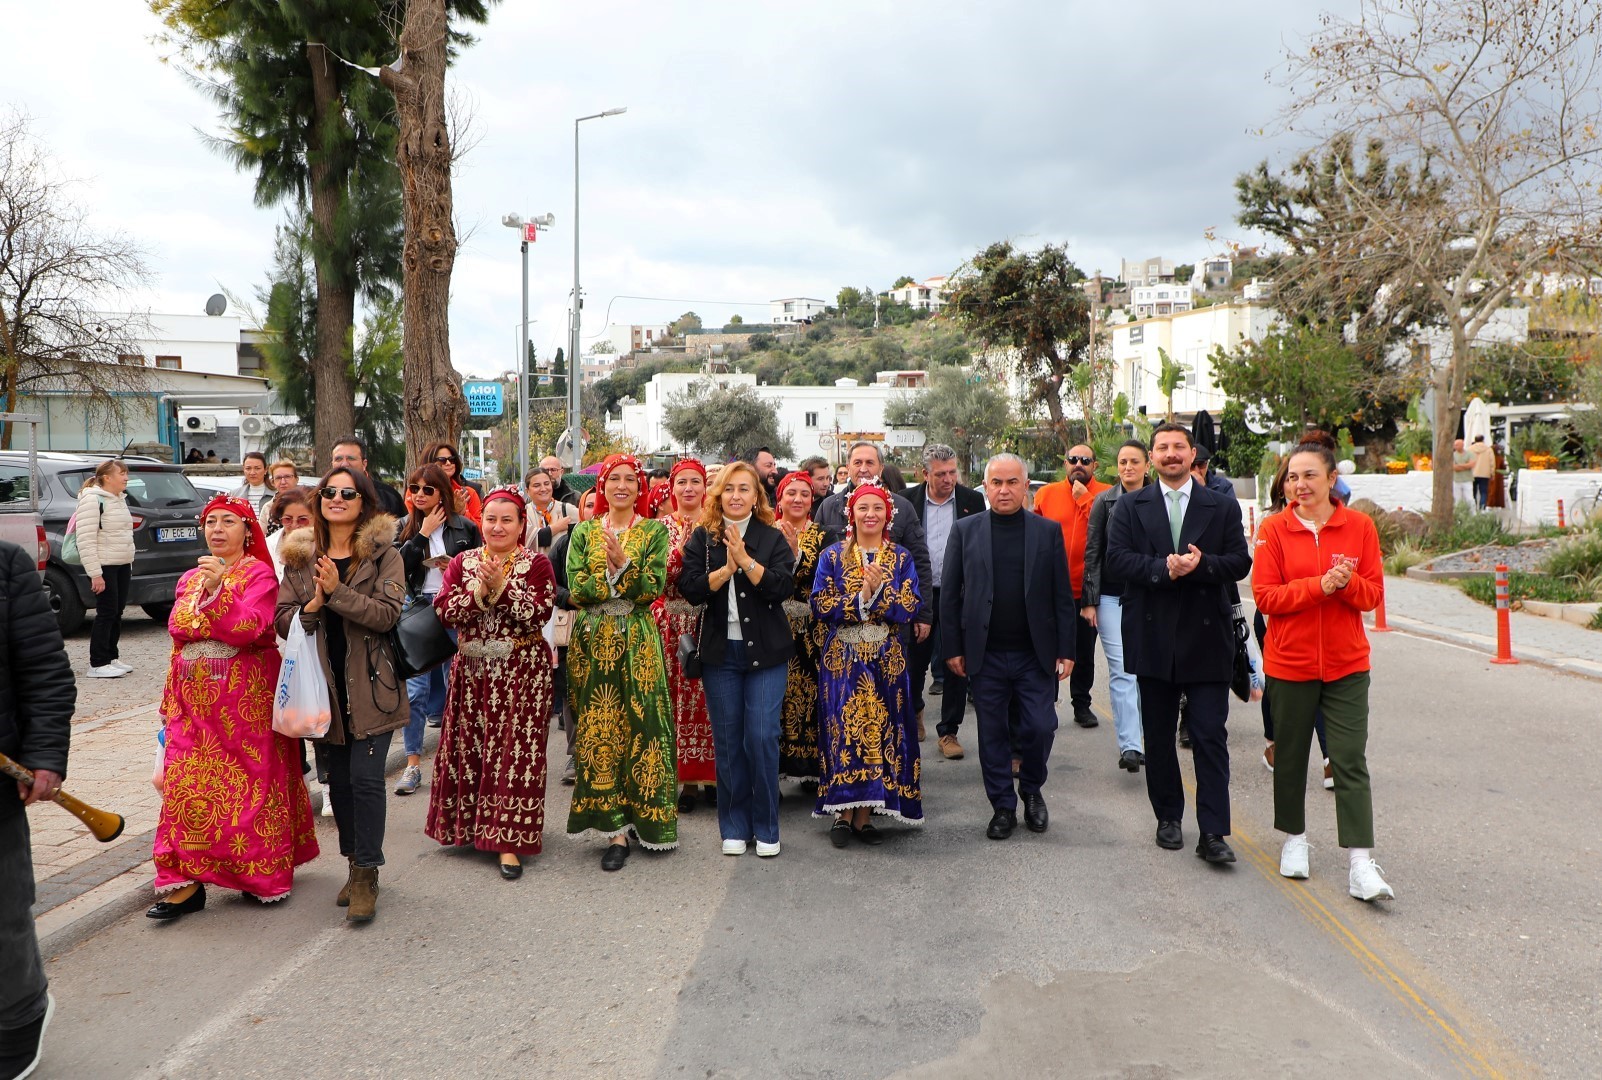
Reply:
x=300, y=703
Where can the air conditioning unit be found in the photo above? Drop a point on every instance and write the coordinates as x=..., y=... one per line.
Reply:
x=201, y=423
x=256, y=425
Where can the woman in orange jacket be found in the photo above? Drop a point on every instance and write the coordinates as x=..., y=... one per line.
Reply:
x=1316, y=571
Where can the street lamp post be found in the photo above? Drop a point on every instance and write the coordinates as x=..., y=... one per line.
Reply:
x=529, y=230
x=575, y=369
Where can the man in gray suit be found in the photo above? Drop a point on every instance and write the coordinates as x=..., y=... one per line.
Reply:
x=1007, y=608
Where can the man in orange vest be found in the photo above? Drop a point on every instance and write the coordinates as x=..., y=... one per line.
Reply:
x=1067, y=502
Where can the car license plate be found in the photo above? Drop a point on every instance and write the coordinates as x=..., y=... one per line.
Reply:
x=172, y=535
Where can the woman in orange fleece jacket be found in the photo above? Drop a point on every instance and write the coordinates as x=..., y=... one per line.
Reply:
x=1317, y=569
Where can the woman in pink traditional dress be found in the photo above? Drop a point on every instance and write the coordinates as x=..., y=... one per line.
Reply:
x=234, y=810
x=676, y=615
x=489, y=773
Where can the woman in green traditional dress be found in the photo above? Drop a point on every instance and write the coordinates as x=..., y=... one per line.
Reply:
x=623, y=743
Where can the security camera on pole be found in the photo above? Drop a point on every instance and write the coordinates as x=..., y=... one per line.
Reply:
x=574, y=448
x=530, y=230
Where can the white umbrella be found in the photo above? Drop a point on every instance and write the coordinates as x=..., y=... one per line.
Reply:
x=1476, y=421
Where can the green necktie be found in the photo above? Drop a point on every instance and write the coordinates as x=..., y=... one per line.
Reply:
x=1176, y=516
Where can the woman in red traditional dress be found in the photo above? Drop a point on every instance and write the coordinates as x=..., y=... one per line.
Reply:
x=234, y=811
x=676, y=615
x=489, y=773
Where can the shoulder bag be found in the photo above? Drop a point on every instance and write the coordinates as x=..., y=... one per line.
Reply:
x=421, y=643
x=690, y=644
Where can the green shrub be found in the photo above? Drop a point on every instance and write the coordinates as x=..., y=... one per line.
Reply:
x=1403, y=557
x=1523, y=586
x=1469, y=530
x=1577, y=555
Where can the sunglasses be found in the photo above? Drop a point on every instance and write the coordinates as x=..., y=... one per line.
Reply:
x=426, y=489
x=340, y=493
x=451, y=460
x=1075, y=459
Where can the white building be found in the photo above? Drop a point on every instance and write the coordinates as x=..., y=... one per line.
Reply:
x=812, y=416
x=794, y=309
x=1170, y=299
x=628, y=337
x=1188, y=338
x=1153, y=271
x=928, y=295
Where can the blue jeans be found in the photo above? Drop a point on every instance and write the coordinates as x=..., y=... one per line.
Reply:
x=1121, y=686
x=744, y=705
x=427, y=696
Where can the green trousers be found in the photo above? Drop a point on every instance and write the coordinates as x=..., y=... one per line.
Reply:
x=1344, y=704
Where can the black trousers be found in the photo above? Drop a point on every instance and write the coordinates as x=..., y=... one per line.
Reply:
x=1482, y=491
x=1006, y=681
x=107, y=628
x=1207, y=717
x=356, y=785
x=1083, y=677
x=22, y=991
x=954, y=687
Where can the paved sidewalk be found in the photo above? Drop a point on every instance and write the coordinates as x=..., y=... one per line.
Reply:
x=1445, y=612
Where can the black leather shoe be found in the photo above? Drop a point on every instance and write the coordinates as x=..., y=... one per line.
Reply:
x=1212, y=847
x=868, y=835
x=511, y=871
x=1035, y=816
x=1169, y=836
x=1085, y=718
x=840, y=833
x=1131, y=760
x=616, y=855
x=1002, y=822
x=687, y=801
x=937, y=689
x=166, y=911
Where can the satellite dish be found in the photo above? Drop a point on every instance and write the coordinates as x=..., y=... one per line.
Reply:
x=1259, y=421
x=216, y=304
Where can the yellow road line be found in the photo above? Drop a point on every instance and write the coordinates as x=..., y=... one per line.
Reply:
x=1468, y=1060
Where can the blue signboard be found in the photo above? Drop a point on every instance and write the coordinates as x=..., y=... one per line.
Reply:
x=484, y=398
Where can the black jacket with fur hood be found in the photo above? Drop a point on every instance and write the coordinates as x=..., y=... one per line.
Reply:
x=369, y=600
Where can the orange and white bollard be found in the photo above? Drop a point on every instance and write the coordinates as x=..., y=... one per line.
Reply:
x=1562, y=524
x=1251, y=517
x=1380, y=625
x=1504, y=620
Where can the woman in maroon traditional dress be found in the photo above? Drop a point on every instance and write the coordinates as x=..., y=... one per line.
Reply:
x=676, y=615
x=489, y=773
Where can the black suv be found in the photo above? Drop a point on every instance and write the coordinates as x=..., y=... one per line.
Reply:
x=167, y=540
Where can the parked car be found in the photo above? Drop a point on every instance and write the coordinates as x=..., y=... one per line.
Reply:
x=20, y=522
x=167, y=540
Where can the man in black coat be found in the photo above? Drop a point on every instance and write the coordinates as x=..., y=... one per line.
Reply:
x=1179, y=547
x=1007, y=605
x=940, y=502
x=37, y=697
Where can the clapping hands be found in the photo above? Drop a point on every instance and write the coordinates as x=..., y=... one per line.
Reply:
x=1180, y=565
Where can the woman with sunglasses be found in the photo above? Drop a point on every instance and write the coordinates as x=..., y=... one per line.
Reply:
x=489, y=775
x=345, y=580
x=627, y=775
x=433, y=536
x=466, y=498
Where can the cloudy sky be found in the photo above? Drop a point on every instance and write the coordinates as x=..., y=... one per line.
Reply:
x=768, y=151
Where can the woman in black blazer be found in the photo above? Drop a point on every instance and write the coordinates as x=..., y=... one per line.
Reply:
x=742, y=569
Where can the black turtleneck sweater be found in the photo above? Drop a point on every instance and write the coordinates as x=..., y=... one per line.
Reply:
x=1009, y=625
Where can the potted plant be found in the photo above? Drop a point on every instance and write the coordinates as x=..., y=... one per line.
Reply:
x=1415, y=445
x=1538, y=445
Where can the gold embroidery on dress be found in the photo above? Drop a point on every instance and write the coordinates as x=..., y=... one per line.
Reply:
x=204, y=790
x=865, y=717
x=602, y=736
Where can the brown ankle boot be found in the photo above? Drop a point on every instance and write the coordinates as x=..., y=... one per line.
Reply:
x=343, y=899
x=363, y=893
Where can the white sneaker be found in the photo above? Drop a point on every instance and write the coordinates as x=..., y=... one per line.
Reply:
x=735, y=847
x=328, y=803
x=125, y=668
x=767, y=851
x=106, y=671
x=1293, y=857
x=1366, y=882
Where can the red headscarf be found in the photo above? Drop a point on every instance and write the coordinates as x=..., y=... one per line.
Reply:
x=511, y=495
x=682, y=465
x=877, y=491
x=616, y=461
x=659, y=494
x=255, y=539
x=792, y=477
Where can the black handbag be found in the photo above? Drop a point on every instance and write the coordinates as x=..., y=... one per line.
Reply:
x=690, y=644
x=421, y=643
x=1240, y=680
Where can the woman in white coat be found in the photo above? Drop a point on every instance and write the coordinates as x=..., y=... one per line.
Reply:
x=104, y=530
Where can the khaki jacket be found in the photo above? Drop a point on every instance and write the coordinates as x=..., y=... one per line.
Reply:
x=370, y=603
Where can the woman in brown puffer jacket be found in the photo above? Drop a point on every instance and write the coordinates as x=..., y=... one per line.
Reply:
x=345, y=580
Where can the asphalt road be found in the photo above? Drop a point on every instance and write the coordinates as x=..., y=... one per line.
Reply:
x=1086, y=951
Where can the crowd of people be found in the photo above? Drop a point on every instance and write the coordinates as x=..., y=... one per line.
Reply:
x=702, y=637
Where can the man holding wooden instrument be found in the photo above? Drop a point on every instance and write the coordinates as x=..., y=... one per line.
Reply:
x=37, y=697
